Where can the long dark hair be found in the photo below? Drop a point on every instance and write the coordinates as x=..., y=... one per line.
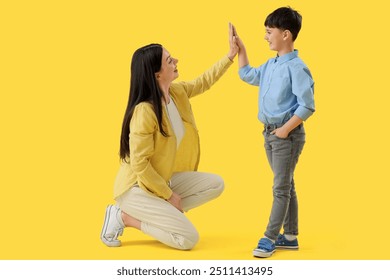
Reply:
x=145, y=63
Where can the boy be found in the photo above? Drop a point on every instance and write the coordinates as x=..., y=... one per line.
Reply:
x=285, y=101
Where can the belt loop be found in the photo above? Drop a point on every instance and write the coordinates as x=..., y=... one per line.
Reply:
x=270, y=127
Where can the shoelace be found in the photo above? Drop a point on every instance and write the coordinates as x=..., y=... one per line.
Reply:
x=118, y=232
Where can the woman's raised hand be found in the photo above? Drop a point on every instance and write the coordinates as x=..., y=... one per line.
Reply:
x=234, y=47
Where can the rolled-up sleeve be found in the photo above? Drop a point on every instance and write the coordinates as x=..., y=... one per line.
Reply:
x=303, y=88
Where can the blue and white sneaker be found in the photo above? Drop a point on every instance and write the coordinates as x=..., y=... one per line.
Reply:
x=283, y=243
x=113, y=226
x=264, y=249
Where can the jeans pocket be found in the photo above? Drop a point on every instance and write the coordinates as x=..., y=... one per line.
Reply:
x=279, y=138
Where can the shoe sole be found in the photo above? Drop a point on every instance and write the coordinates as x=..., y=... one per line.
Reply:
x=261, y=254
x=287, y=247
x=105, y=225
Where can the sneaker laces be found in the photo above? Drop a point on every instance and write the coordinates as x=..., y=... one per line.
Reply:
x=118, y=232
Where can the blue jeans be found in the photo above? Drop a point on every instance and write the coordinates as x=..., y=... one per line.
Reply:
x=283, y=156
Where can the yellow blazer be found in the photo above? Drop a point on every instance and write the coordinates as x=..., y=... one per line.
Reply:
x=154, y=157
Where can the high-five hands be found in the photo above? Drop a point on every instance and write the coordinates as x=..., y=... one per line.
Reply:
x=237, y=40
x=234, y=48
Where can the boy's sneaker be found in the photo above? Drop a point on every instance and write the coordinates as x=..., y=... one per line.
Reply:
x=112, y=227
x=283, y=243
x=264, y=249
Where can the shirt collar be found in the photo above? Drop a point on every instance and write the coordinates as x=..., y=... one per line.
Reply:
x=287, y=56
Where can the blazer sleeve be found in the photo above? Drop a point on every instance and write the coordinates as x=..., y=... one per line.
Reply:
x=143, y=125
x=207, y=79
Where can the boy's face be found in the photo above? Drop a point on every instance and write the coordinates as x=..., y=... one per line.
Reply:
x=276, y=38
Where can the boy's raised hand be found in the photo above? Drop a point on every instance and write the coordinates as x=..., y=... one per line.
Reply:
x=242, y=55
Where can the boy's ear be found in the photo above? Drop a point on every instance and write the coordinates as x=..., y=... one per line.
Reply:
x=286, y=34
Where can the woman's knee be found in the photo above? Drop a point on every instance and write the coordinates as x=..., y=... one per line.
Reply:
x=186, y=242
x=218, y=185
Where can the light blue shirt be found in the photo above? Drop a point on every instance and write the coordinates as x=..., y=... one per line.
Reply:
x=286, y=88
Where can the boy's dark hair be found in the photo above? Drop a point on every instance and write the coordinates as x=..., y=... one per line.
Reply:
x=285, y=18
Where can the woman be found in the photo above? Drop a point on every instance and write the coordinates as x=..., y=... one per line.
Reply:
x=159, y=148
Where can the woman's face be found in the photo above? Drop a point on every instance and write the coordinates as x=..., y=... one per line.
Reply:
x=168, y=71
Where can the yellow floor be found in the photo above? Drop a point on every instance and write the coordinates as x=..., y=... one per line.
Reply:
x=64, y=90
x=220, y=239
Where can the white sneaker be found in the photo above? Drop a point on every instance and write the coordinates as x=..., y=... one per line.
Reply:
x=113, y=226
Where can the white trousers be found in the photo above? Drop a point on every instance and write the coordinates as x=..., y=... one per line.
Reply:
x=162, y=220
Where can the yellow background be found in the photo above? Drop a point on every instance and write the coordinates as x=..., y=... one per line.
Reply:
x=64, y=87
